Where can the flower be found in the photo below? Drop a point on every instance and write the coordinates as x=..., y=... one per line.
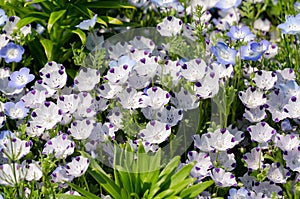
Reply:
x=19, y=79
x=14, y=148
x=277, y=173
x=291, y=25
x=252, y=98
x=265, y=79
x=87, y=79
x=223, y=178
x=15, y=110
x=10, y=174
x=81, y=129
x=238, y=193
x=227, y=4
x=32, y=170
x=169, y=26
x=12, y=52
x=88, y=24
x=47, y=115
x=156, y=132
x=3, y=17
x=224, y=54
x=60, y=146
x=169, y=115
x=78, y=166
x=243, y=33
x=53, y=75
x=194, y=70
x=254, y=159
x=156, y=97
x=261, y=132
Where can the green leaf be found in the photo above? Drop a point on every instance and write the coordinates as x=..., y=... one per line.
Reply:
x=67, y=196
x=194, y=190
x=180, y=175
x=48, y=47
x=171, y=166
x=81, y=35
x=33, y=2
x=107, y=183
x=32, y=17
x=54, y=17
x=82, y=191
x=165, y=194
x=111, y=20
x=107, y=4
x=93, y=163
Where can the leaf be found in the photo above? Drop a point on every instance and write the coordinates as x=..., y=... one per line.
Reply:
x=111, y=20
x=48, y=47
x=180, y=175
x=68, y=196
x=93, y=163
x=165, y=194
x=54, y=16
x=107, y=4
x=32, y=17
x=82, y=191
x=194, y=190
x=107, y=183
x=33, y=2
x=81, y=35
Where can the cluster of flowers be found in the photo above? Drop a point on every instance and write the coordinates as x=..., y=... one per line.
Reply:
x=134, y=82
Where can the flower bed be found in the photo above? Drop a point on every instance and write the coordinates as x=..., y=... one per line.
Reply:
x=149, y=99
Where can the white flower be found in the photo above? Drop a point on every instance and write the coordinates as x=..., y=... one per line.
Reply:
x=169, y=26
x=155, y=132
x=252, y=98
x=223, y=178
x=14, y=148
x=277, y=173
x=84, y=108
x=265, y=79
x=54, y=75
x=292, y=159
x=208, y=86
x=194, y=70
x=255, y=114
x=108, y=90
x=10, y=174
x=169, y=115
x=156, y=98
x=87, y=79
x=254, y=159
x=225, y=159
x=131, y=99
x=78, y=166
x=261, y=132
x=68, y=103
x=202, y=166
x=32, y=170
x=81, y=130
x=47, y=115
x=34, y=98
x=184, y=100
x=60, y=175
x=287, y=142
x=60, y=146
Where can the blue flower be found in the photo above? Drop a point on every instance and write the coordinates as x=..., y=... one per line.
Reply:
x=242, y=33
x=87, y=24
x=291, y=25
x=253, y=51
x=19, y=79
x=224, y=54
x=15, y=111
x=12, y=52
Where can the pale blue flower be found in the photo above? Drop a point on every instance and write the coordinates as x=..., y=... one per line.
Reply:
x=15, y=111
x=243, y=33
x=12, y=52
x=19, y=79
x=227, y=4
x=3, y=17
x=224, y=54
x=291, y=25
x=88, y=24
